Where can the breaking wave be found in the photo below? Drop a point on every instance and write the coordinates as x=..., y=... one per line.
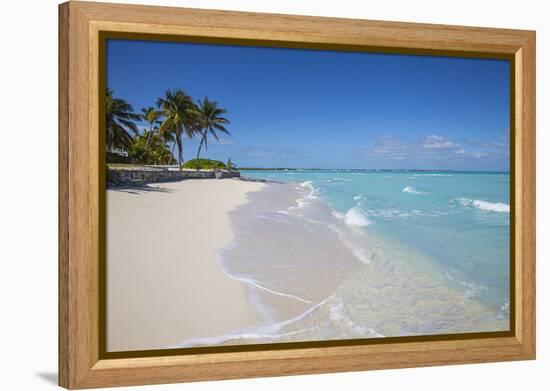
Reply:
x=412, y=190
x=499, y=207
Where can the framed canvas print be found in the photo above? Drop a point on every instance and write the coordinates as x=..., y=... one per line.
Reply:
x=251, y=195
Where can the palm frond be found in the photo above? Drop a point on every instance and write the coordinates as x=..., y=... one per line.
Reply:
x=119, y=119
x=210, y=119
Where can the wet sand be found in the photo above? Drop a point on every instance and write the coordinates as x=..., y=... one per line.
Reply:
x=311, y=276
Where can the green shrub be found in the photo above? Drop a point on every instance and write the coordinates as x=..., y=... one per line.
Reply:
x=204, y=164
x=149, y=150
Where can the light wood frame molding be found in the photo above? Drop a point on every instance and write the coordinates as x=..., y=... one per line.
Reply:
x=80, y=24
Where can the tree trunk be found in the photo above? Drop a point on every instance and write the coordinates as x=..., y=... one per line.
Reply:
x=148, y=137
x=107, y=136
x=180, y=149
x=199, y=151
x=172, y=152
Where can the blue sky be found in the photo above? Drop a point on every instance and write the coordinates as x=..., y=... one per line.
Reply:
x=326, y=109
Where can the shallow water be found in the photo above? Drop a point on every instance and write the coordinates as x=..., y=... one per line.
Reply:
x=359, y=254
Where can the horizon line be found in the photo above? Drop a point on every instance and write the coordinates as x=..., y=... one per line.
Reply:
x=370, y=169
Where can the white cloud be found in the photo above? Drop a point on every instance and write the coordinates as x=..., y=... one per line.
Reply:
x=388, y=147
x=435, y=147
x=498, y=147
x=463, y=154
x=438, y=142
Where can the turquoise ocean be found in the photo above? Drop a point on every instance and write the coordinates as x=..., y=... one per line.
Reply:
x=460, y=221
x=346, y=254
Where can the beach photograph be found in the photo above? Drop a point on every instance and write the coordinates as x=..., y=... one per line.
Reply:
x=265, y=195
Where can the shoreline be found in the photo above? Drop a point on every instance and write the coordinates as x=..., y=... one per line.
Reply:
x=306, y=272
x=279, y=306
x=164, y=289
x=349, y=284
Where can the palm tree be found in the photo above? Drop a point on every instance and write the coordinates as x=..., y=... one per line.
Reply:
x=209, y=119
x=175, y=107
x=150, y=115
x=168, y=139
x=120, y=115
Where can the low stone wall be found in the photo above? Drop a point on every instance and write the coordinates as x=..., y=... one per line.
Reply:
x=142, y=175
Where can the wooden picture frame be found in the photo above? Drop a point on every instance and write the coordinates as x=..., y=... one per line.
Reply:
x=81, y=25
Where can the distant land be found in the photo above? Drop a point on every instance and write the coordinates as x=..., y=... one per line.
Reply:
x=361, y=169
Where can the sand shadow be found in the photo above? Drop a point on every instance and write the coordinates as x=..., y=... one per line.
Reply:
x=138, y=189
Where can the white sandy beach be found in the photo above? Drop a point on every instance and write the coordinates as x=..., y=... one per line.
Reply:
x=164, y=284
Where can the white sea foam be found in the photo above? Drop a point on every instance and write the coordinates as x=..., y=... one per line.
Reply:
x=403, y=214
x=412, y=190
x=261, y=287
x=311, y=194
x=308, y=184
x=252, y=282
x=273, y=218
x=493, y=207
x=255, y=284
x=504, y=311
x=359, y=197
x=338, y=313
x=338, y=215
x=500, y=207
x=356, y=218
x=266, y=332
x=353, y=217
x=471, y=290
x=386, y=213
x=361, y=254
x=272, y=332
x=332, y=180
